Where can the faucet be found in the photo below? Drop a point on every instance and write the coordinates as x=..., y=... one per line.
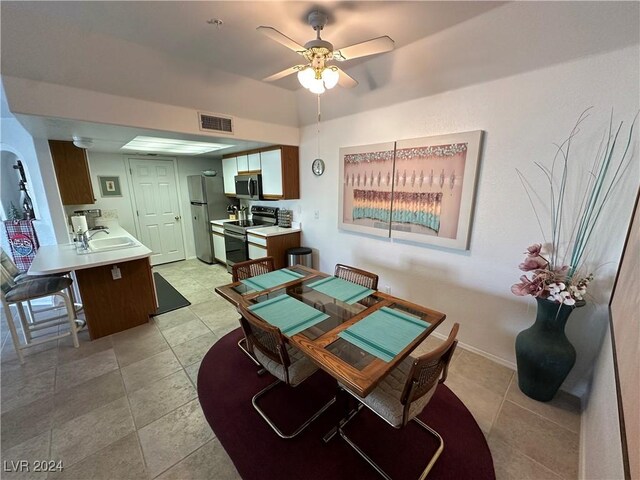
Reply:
x=84, y=238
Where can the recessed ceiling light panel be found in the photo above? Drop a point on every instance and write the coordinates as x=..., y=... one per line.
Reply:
x=171, y=145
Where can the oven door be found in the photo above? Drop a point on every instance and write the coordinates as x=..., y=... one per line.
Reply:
x=236, y=248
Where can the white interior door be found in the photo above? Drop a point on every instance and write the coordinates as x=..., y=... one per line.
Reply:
x=156, y=201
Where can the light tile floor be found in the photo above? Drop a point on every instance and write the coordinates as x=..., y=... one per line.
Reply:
x=126, y=406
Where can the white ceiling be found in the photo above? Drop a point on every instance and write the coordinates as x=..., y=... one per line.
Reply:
x=166, y=52
x=180, y=29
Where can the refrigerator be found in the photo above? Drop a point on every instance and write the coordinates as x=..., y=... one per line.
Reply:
x=208, y=202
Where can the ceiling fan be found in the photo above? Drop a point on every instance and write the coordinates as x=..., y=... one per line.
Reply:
x=318, y=74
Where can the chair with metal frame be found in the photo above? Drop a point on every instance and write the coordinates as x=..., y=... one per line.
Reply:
x=405, y=392
x=286, y=363
x=356, y=275
x=13, y=272
x=248, y=269
x=12, y=293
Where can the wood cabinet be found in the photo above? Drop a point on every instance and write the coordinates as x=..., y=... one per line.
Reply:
x=219, y=251
x=275, y=246
x=278, y=165
x=229, y=171
x=113, y=305
x=72, y=173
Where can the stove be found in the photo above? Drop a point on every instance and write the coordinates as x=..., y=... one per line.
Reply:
x=235, y=233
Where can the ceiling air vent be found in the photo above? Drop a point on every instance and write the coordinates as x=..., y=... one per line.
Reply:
x=215, y=123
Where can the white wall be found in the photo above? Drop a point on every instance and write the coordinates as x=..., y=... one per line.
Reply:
x=114, y=164
x=110, y=164
x=17, y=143
x=522, y=117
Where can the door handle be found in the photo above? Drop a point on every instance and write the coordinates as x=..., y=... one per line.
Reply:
x=178, y=217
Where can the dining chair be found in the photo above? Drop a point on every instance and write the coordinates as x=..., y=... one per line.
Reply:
x=288, y=364
x=12, y=293
x=405, y=392
x=248, y=269
x=356, y=275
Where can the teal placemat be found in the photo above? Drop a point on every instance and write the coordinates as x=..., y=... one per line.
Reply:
x=384, y=333
x=288, y=314
x=342, y=290
x=271, y=279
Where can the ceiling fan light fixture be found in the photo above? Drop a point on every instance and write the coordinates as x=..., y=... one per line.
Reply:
x=317, y=87
x=330, y=77
x=306, y=77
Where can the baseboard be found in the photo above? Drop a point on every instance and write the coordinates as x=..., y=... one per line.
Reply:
x=482, y=353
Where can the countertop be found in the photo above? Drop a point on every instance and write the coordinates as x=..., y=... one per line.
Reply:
x=63, y=258
x=221, y=222
x=272, y=231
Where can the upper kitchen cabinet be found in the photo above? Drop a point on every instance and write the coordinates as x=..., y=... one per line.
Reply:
x=243, y=163
x=280, y=173
x=72, y=173
x=279, y=167
x=248, y=163
x=254, y=162
x=229, y=171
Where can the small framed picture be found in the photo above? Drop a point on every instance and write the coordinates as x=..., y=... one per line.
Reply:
x=110, y=186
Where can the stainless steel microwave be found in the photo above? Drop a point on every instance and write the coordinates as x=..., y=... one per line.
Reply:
x=249, y=186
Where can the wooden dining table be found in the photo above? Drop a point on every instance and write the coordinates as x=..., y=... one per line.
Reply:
x=351, y=365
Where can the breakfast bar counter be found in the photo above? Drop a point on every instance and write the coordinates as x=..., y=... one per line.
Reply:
x=64, y=258
x=114, y=280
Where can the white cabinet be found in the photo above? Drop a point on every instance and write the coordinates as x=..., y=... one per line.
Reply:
x=243, y=163
x=279, y=167
x=217, y=231
x=229, y=171
x=254, y=162
x=256, y=252
x=271, y=173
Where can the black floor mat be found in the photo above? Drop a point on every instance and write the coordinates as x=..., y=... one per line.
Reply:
x=168, y=297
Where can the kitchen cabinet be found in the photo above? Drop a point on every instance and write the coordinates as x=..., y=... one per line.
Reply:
x=280, y=173
x=254, y=162
x=72, y=173
x=113, y=305
x=243, y=163
x=219, y=252
x=275, y=246
x=278, y=165
x=229, y=171
x=256, y=251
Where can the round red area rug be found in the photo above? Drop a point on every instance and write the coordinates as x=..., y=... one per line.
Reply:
x=227, y=381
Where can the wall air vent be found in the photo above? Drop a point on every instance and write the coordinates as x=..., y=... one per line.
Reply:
x=215, y=123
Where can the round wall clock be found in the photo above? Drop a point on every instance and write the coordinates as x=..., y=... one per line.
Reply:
x=318, y=166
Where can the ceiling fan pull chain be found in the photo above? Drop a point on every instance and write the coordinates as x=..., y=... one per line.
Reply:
x=318, y=126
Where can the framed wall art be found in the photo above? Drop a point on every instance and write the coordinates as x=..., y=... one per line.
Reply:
x=419, y=190
x=110, y=186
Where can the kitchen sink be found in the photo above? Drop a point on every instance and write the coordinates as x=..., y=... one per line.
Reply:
x=111, y=243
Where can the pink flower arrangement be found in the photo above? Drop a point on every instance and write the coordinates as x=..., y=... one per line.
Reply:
x=548, y=282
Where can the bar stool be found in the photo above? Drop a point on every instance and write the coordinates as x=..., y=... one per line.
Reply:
x=13, y=272
x=16, y=293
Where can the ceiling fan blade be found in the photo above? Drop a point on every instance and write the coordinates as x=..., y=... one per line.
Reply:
x=283, y=73
x=370, y=47
x=345, y=80
x=282, y=39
